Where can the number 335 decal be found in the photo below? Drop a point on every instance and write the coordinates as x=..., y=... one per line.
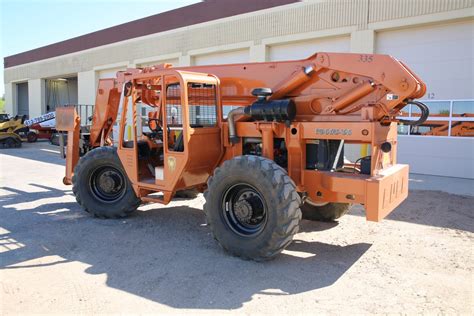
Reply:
x=366, y=58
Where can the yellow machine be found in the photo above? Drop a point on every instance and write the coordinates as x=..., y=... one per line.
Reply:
x=13, y=132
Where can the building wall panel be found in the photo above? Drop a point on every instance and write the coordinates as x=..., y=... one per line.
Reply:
x=442, y=156
x=109, y=73
x=304, y=49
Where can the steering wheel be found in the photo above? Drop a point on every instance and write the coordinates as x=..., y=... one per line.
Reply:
x=157, y=130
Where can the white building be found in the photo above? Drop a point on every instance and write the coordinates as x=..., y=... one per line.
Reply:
x=434, y=37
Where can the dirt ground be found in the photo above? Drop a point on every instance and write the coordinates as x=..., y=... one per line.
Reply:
x=54, y=258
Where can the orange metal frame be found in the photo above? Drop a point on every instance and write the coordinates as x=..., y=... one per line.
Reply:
x=350, y=97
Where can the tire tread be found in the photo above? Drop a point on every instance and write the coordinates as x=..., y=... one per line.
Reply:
x=125, y=207
x=289, y=215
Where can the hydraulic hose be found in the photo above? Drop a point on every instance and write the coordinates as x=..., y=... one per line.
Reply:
x=425, y=112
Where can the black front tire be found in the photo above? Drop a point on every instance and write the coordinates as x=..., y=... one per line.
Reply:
x=274, y=198
x=31, y=137
x=324, y=213
x=101, y=186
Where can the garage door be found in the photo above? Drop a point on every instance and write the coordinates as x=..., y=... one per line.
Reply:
x=22, y=98
x=304, y=49
x=109, y=73
x=234, y=57
x=60, y=92
x=442, y=55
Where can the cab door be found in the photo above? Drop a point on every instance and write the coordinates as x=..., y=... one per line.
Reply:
x=204, y=133
x=174, y=123
x=192, y=137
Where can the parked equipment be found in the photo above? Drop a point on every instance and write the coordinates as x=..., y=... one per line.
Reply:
x=4, y=117
x=41, y=127
x=263, y=141
x=13, y=132
x=9, y=140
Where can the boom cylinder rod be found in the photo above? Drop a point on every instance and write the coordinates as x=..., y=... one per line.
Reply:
x=352, y=96
x=288, y=85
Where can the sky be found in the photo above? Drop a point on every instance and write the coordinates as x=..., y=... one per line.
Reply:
x=29, y=24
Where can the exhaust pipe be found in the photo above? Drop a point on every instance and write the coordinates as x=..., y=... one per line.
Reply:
x=233, y=138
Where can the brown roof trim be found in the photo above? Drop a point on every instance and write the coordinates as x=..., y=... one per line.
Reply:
x=205, y=11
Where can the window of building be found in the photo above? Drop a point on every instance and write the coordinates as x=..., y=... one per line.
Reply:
x=452, y=118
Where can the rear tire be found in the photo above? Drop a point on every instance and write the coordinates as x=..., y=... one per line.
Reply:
x=252, y=207
x=31, y=137
x=101, y=185
x=324, y=213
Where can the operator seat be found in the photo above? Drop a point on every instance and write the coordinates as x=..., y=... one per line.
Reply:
x=143, y=148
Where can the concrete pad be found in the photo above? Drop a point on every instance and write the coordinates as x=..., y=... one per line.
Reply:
x=458, y=186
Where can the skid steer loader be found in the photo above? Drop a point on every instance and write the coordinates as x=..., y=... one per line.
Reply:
x=13, y=132
x=263, y=141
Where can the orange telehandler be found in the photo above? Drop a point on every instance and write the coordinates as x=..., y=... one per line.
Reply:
x=263, y=141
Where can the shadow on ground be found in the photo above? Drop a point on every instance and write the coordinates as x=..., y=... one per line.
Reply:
x=166, y=254
x=49, y=153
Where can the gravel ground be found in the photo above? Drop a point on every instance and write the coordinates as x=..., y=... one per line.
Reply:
x=56, y=259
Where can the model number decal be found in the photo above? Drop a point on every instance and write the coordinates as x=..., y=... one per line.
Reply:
x=366, y=58
x=333, y=131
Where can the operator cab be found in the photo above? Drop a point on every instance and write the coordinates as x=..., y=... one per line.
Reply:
x=175, y=113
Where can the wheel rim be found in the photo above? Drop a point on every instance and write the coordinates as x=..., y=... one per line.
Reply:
x=244, y=210
x=31, y=137
x=107, y=184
